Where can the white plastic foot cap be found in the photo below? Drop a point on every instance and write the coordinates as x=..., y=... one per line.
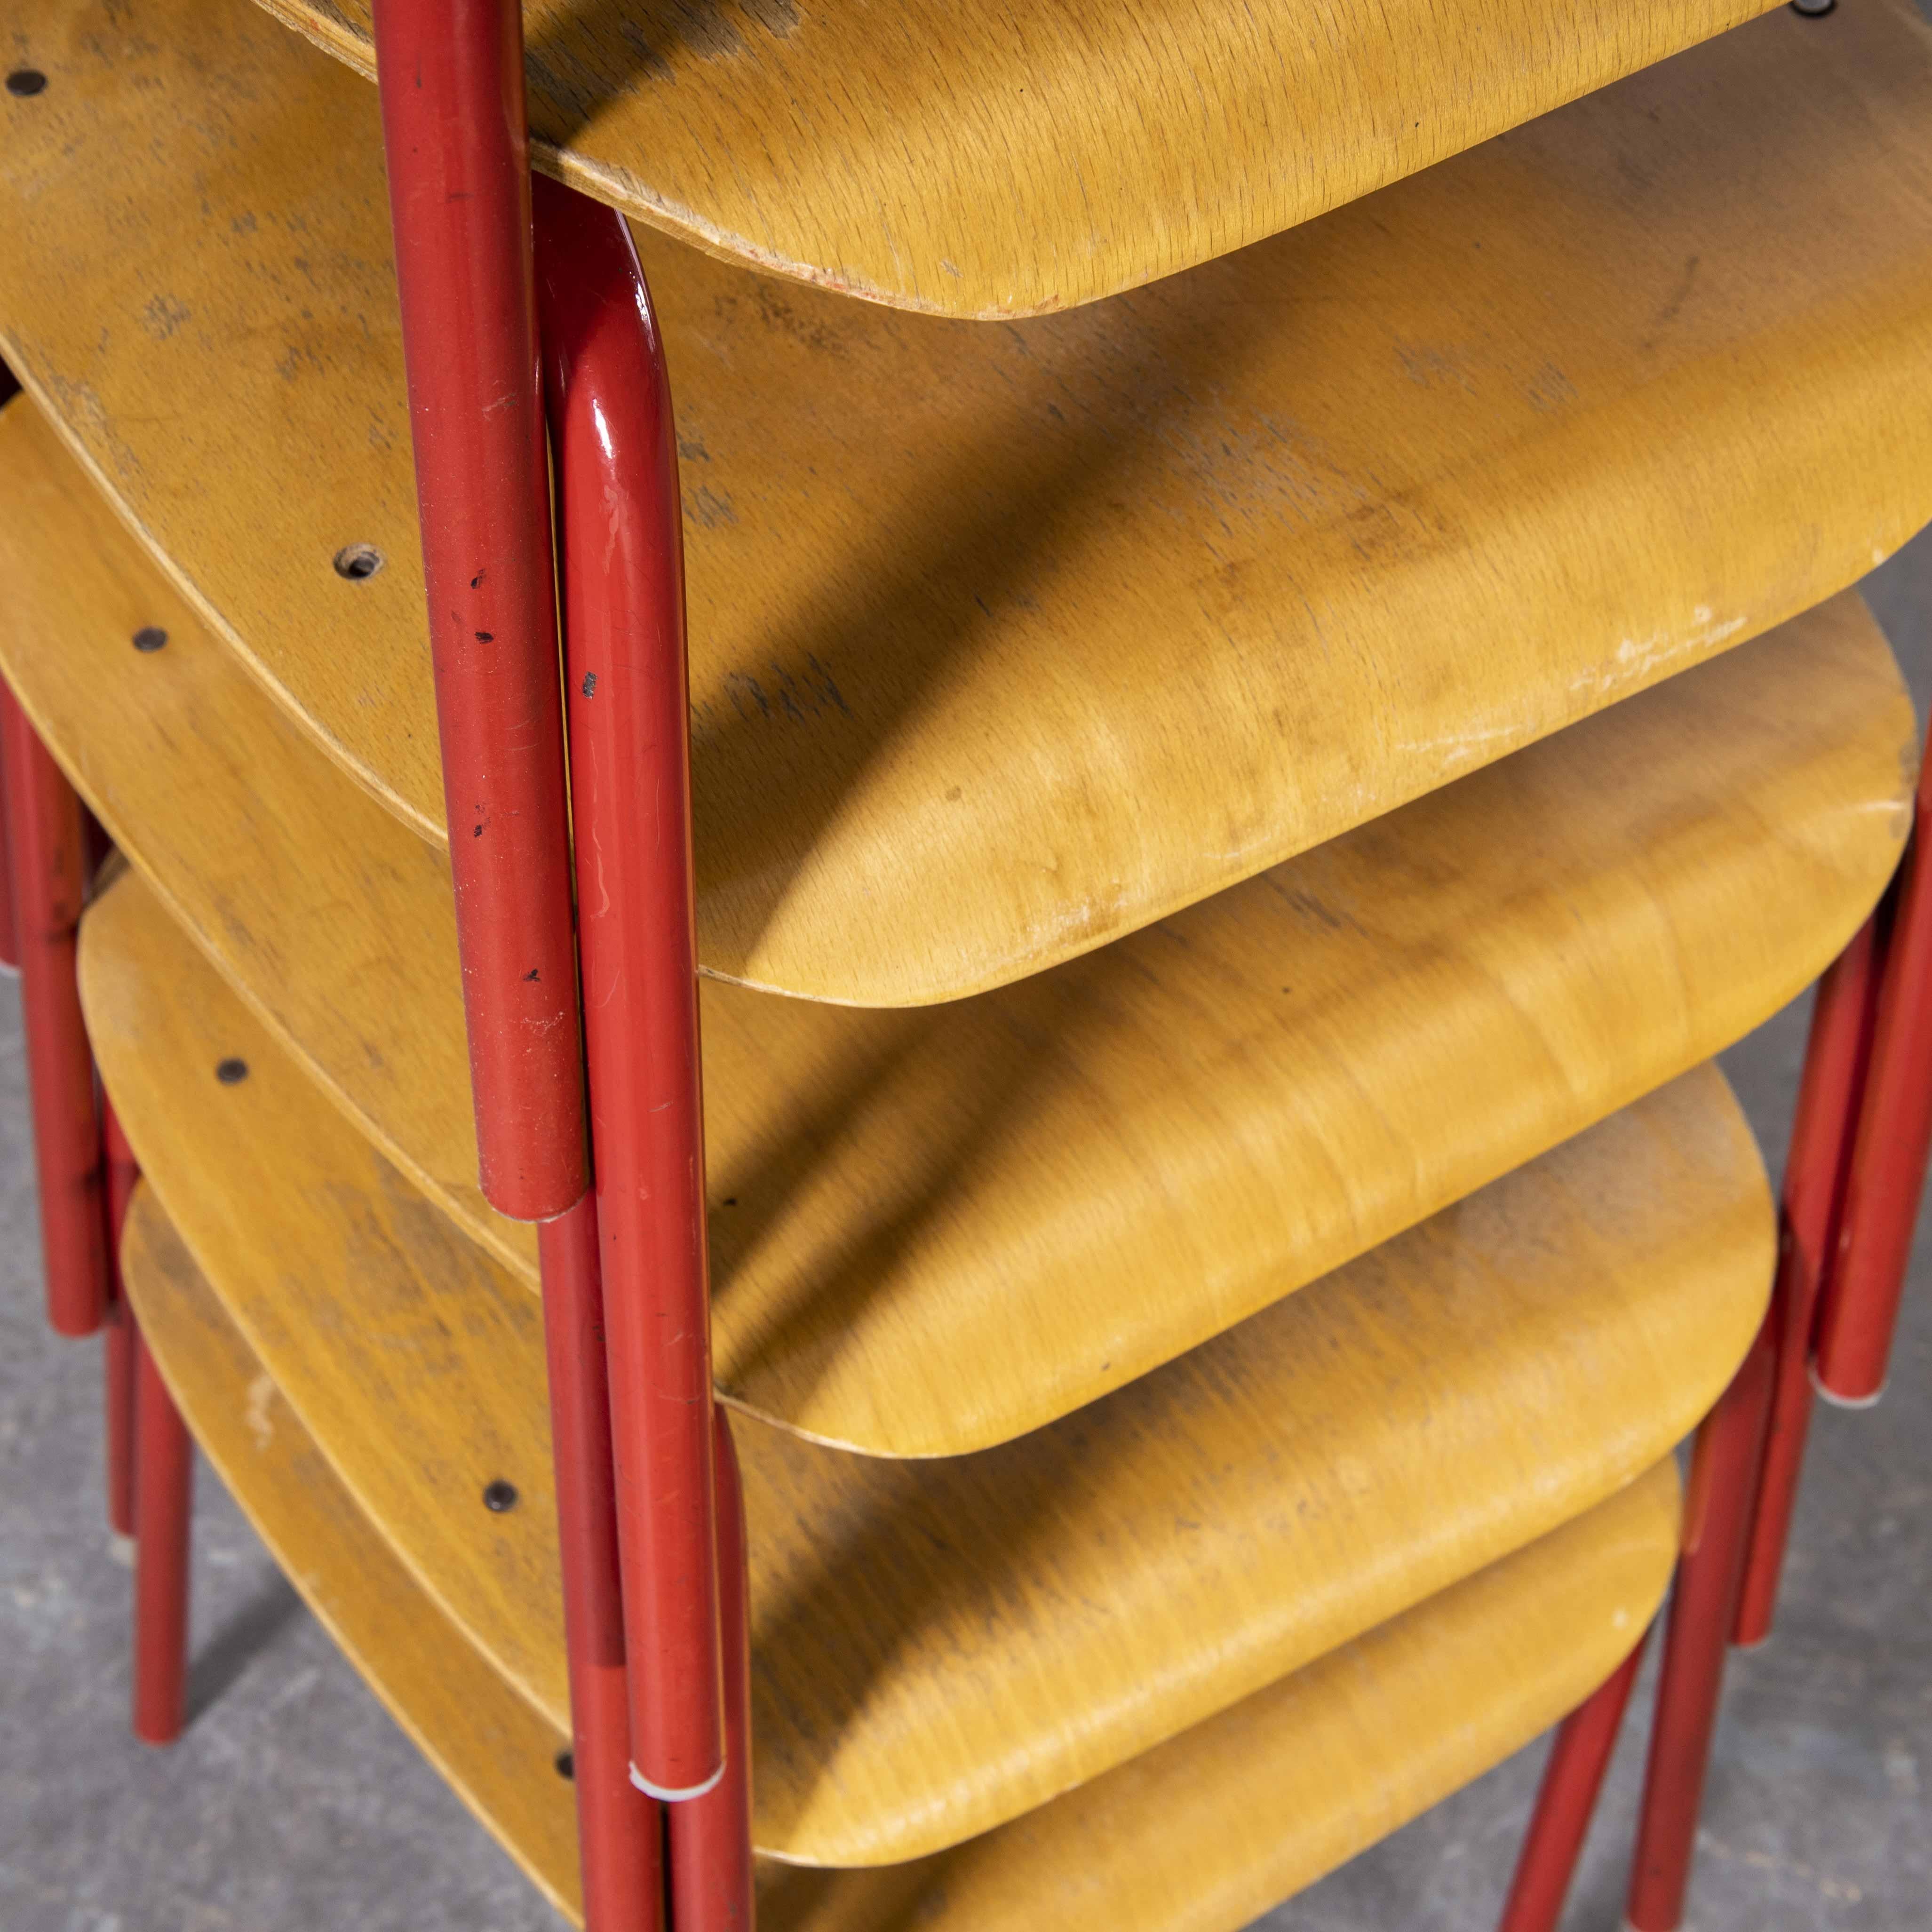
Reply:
x=668, y=1797
x=1836, y=1401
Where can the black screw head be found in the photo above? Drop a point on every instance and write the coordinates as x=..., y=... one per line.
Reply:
x=358, y=562
x=498, y=1496
x=566, y=1764
x=150, y=638
x=26, y=81
x=231, y=1073
x=1814, y=9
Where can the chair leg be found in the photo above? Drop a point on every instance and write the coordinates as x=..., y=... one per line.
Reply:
x=122, y=1339
x=1703, y=1611
x=1837, y=1054
x=711, y=1836
x=628, y=711
x=164, y=1498
x=122, y=1332
x=620, y=1831
x=1895, y=1138
x=47, y=861
x=9, y=938
x=1567, y=1801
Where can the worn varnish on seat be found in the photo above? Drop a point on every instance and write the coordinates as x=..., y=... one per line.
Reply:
x=1269, y=1795
x=1007, y=641
x=982, y=159
x=940, y=1646
x=932, y=1230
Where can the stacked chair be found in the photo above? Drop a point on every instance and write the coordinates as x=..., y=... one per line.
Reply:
x=1258, y=711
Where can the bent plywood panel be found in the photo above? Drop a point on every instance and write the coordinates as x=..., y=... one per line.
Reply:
x=497, y=1753
x=940, y=1646
x=1197, y=1835
x=1006, y=642
x=933, y=1230
x=978, y=160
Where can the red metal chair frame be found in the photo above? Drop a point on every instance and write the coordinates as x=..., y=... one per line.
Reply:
x=646, y=1476
x=650, y=1512
x=1853, y=1177
x=457, y=150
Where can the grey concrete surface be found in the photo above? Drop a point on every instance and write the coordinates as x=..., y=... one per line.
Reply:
x=293, y=1804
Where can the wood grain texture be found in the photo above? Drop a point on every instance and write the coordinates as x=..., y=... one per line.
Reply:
x=497, y=1753
x=983, y=160
x=935, y=1229
x=940, y=1646
x=1197, y=1835
x=1007, y=641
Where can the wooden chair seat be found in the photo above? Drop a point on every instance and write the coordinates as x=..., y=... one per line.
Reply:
x=941, y=1645
x=933, y=1230
x=1267, y=1795
x=1007, y=641
x=971, y=161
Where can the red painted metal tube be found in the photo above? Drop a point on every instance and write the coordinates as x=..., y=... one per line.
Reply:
x=712, y=1883
x=1895, y=1136
x=122, y=1331
x=620, y=1832
x=163, y=1502
x=50, y=876
x=457, y=148
x=120, y=1335
x=1703, y=1611
x=1836, y=1057
x=1567, y=1801
x=9, y=939
x=621, y=544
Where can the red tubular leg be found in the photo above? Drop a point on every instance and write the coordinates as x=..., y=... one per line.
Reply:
x=623, y=601
x=620, y=1830
x=456, y=141
x=1703, y=1611
x=49, y=877
x=711, y=1836
x=1836, y=1058
x=121, y=1331
x=1567, y=1801
x=10, y=938
x=122, y=1338
x=163, y=1501
x=1894, y=1136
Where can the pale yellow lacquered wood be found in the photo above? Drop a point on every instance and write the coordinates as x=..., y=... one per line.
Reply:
x=498, y=1753
x=933, y=1230
x=1207, y=1831
x=940, y=1646
x=979, y=159
x=1006, y=641
x=1198, y=1834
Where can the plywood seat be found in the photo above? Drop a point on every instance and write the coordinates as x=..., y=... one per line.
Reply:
x=975, y=160
x=1006, y=642
x=1268, y=1795
x=940, y=1646
x=934, y=1230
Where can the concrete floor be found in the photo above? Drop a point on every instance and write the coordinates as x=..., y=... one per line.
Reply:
x=293, y=1804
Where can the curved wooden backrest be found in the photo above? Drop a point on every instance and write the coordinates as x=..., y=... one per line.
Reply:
x=1008, y=641
x=941, y=1645
x=933, y=1230
x=973, y=161
x=1266, y=1797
